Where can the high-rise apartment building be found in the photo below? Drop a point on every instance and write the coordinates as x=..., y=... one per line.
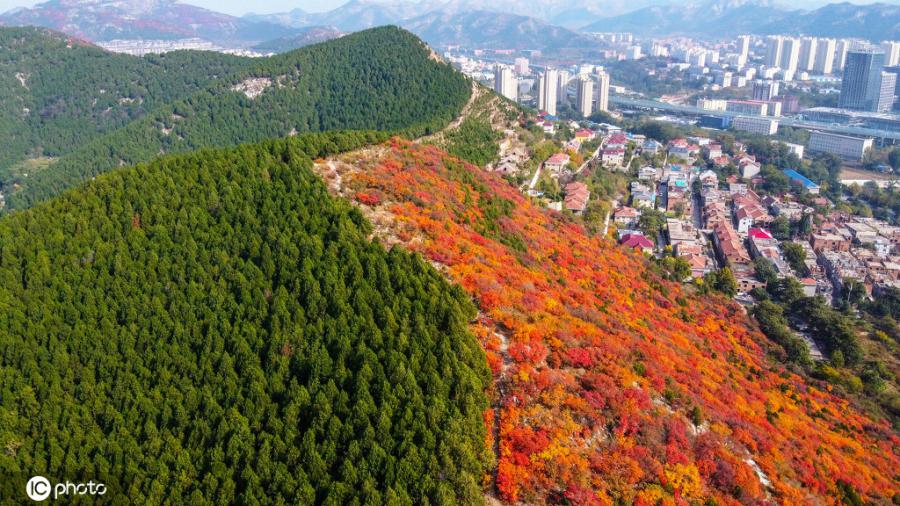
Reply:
x=824, y=56
x=891, y=50
x=743, y=49
x=584, y=95
x=521, y=66
x=790, y=54
x=808, y=46
x=548, y=83
x=886, y=92
x=562, y=91
x=765, y=89
x=773, y=50
x=602, y=91
x=841, y=48
x=861, y=84
x=505, y=82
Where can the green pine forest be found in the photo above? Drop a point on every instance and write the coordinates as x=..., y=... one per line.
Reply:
x=214, y=328
x=382, y=79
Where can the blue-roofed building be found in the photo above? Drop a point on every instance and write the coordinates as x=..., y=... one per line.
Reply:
x=802, y=180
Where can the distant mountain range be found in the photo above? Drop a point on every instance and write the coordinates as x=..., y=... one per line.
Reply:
x=103, y=20
x=495, y=24
x=494, y=30
x=306, y=37
x=728, y=17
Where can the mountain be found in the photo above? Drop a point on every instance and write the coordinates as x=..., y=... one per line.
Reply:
x=102, y=20
x=877, y=21
x=486, y=29
x=711, y=17
x=726, y=17
x=306, y=37
x=366, y=13
x=230, y=335
x=613, y=385
x=383, y=78
x=57, y=94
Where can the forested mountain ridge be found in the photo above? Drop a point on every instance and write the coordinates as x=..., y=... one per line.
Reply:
x=383, y=78
x=612, y=385
x=58, y=93
x=213, y=328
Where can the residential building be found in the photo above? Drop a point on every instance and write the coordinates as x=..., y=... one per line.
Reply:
x=711, y=104
x=797, y=149
x=521, y=66
x=753, y=107
x=743, y=49
x=562, y=91
x=774, y=50
x=765, y=89
x=886, y=93
x=824, y=56
x=861, y=84
x=626, y=217
x=841, y=49
x=637, y=242
x=845, y=146
x=557, y=162
x=505, y=82
x=613, y=157
x=891, y=50
x=584, y=101
x=799, y=179
x=603, y=91
x=808, y=46
x=790, y=54
x=547, y=88
x=761, y=126
x=577, y=196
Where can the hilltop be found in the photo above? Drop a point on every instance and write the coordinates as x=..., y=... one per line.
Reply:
x=58, y=93
x=383, y=78
x=229, y=335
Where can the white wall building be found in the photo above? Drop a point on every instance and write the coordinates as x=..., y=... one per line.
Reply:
x=845, y=146
x=584, y=96
x=761, y=126
x=548, y=84
x=505, y=82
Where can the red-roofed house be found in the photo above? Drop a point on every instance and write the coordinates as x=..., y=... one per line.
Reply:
x=577, y=196
x=557, y=162
x=584, y=134
x=637, y=241
x=759, y=233
x=613, y=157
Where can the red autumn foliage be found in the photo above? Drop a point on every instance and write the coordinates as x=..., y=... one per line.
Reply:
x=602, y=362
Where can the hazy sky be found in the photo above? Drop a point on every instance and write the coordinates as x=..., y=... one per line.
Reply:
x=240, y=7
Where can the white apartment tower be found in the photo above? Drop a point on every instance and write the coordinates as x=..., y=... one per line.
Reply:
x=743, y=49
x=521, y=66
x=562, y=92
x=891, y=53
x=773, y=50
x=602, y=91
x=584, y=96
x=824, y=56
x=808, y=46
x=505, y=82
x=841, y=48
x=548, y=84
x=790, y=54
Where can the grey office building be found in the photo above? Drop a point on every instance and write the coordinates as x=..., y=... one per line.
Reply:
x=861, y=85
